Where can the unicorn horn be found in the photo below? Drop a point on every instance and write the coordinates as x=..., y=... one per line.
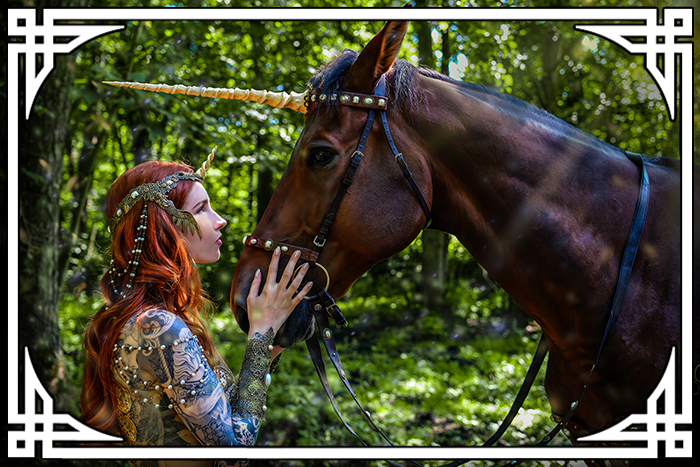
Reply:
x=280, y=100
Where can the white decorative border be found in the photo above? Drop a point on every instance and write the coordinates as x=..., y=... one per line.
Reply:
x=676, y=24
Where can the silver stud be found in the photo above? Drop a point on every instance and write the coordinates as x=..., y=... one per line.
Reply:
x=119, y=212
x=285, y=249
x=269, y=244
x=327, y=334
x=270, y=347
x=355, y=99
x=264, y=407
x=323, y=97
x=253, y=241
x=344, y=98
x=368, y=101
x=245, y=239
x=334, y=97
x=268, y=379
x=381, y=102
x=313, y=98
x=134, y=194
x=574, y=404
x=170, y=406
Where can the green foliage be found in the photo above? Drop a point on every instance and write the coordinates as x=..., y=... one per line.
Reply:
x=430, y=378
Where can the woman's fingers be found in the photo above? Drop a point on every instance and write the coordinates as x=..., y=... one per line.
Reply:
x=302, y=293
x=296, y=283
x=255, y=286
x=272, y=269
x=289, y=270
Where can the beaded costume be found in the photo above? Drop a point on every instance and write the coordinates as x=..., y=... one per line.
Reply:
x=169, y=391
x=166, y=387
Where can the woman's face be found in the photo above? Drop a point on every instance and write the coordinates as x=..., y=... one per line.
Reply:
x=205, y=249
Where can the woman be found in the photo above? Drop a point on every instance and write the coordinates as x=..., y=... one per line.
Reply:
x=153, y=374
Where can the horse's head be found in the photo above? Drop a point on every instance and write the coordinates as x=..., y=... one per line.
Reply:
x=379, y=214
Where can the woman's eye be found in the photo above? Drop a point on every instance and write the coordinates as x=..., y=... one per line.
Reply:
x=321, y=157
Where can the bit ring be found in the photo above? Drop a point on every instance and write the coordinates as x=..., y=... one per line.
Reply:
x=325, y=271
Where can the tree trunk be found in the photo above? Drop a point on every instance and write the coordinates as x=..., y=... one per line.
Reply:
x=265, y=186
x=435, y=242
x=42, y=142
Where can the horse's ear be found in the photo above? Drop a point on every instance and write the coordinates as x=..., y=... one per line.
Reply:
x=376, y=58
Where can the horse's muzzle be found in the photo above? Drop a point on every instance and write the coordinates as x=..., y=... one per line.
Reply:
x=298, y=327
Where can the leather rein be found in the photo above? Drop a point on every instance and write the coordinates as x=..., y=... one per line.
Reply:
x=324, y=305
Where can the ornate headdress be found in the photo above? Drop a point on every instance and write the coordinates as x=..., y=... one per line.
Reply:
x=158, y=193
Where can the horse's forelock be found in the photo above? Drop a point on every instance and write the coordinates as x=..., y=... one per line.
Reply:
x=400, y=83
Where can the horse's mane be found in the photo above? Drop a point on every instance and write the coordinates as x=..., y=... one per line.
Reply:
x=408, y=97
x=400, y=86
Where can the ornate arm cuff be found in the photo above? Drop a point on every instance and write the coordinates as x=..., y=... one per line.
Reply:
x=254, y=377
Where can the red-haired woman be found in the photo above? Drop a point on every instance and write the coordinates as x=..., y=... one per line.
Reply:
x=153, y=374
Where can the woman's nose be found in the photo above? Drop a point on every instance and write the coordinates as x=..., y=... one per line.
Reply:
x=221, y=222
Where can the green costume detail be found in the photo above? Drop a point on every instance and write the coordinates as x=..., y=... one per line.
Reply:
x=254, y=378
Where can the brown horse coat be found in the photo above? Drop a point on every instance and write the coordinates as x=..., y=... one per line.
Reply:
x=544, y=207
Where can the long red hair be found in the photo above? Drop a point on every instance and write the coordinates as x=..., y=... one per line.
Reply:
x=166, y=277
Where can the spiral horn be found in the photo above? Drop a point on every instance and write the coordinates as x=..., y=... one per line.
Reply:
x=281, y=100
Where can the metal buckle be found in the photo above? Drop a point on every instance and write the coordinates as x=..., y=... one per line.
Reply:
x=320, y=245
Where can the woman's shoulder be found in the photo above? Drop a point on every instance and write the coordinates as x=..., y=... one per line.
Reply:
x=156, y=325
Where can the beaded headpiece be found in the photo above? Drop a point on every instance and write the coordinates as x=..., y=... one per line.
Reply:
x=158, y=193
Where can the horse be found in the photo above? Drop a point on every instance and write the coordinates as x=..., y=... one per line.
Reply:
x=545, y=208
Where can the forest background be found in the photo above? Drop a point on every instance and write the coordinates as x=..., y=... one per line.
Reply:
x=435, y=348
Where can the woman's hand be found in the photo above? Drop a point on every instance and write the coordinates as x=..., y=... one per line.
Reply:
x=275, y=302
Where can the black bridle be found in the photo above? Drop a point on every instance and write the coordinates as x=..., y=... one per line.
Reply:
x=324, y=305
x=377, y=102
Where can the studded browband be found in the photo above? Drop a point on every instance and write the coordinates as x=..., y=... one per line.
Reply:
x=353, y=99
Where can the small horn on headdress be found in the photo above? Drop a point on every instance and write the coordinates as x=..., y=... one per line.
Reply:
x=205, y=165
x=280, y=100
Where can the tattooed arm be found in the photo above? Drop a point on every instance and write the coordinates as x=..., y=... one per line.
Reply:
x=178, y=364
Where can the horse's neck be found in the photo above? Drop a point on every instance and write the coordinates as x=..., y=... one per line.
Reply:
x=521, y=191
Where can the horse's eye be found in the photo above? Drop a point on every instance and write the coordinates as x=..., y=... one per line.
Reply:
x=320, y=157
